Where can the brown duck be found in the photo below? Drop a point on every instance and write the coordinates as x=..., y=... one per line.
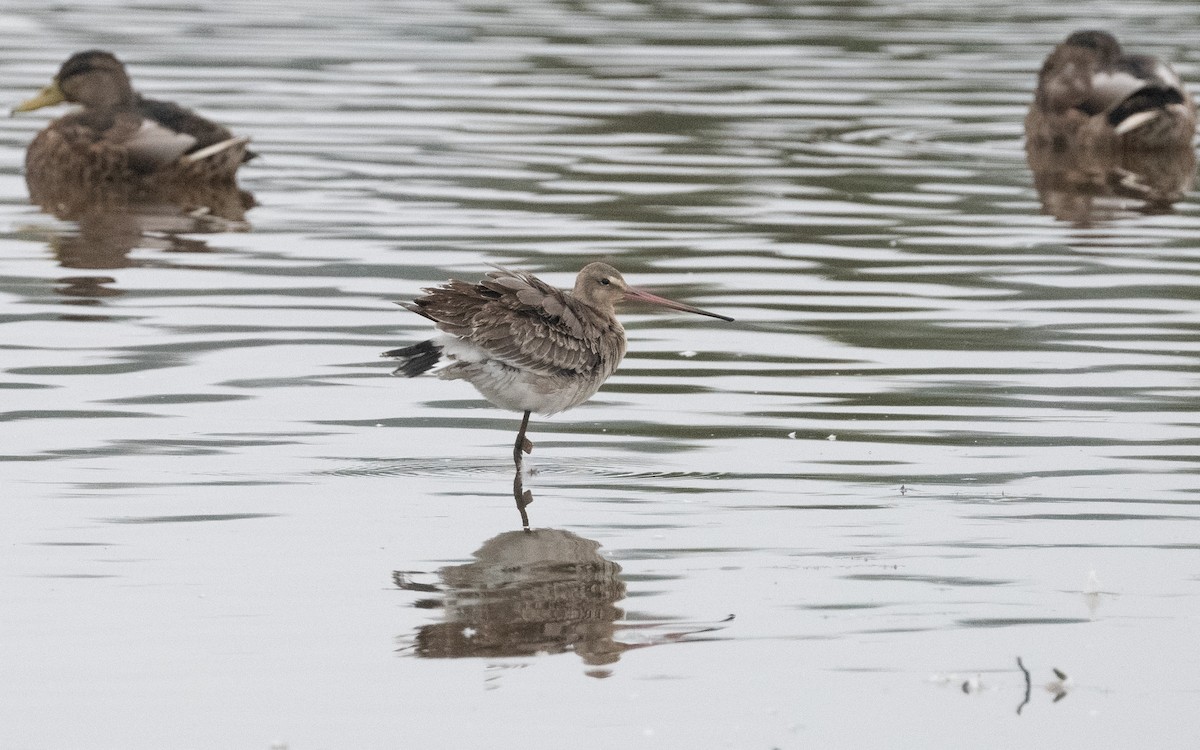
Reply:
x=120, y=146
x=1091, y=94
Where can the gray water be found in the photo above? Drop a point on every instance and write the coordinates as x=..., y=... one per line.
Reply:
x=954, y=424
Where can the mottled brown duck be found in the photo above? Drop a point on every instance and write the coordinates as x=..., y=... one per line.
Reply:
x=1092, y=95
x=119, y=147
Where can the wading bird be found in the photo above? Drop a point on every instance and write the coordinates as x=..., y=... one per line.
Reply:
x=527, y=346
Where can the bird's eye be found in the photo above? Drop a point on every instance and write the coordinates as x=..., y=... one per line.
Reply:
x=605, y=281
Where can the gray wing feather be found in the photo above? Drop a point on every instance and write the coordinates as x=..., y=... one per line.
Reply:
x=520, y=320
x=1110, y=88
x=152, y=146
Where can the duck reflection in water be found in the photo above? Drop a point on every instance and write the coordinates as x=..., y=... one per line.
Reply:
x=1108, y=132
x=1085, y=187
x=104, y=237
x=540, y=591
x=130, y=171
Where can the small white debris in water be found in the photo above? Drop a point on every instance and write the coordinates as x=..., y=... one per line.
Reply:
x=832, y=437
x=1091, y=593
x=469, y=632
x=688, y=353
x=1060, y=687
x=966, y=683
x=379, y=424
x=792, y=435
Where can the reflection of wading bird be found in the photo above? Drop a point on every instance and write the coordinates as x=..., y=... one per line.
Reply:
x=527, y=593
x=1091, y=94
x=530, y=593
x=525, y=345
x=121, y=147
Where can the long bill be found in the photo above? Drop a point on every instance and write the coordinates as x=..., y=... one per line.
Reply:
x=637, y=295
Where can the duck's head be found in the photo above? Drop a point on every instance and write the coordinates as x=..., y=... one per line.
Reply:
x=93, y=79
x=601, y=286
x=1105, y=46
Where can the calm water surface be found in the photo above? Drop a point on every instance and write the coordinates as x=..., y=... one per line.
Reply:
x=954, y=424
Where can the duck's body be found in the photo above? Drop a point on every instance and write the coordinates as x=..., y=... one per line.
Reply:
x=525, y=345
x=121, y=146
x=1091, y=94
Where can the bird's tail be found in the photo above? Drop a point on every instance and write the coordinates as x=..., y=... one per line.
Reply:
x=416, y=359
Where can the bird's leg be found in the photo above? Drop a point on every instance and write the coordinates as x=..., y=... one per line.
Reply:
x=523, y=443
x=523, y=496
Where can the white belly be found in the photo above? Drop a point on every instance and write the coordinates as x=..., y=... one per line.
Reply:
x=511, y=388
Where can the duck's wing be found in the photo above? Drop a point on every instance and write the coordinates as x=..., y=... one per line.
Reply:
x=1145, y=76
x=152, y=146
x=183, y=120
x=1151, y=88
x=1109, y=88
x=518, y=319
x=1151, y=71
x=210, y=137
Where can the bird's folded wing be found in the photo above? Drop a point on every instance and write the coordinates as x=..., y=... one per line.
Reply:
x=518, y=319
x=152, y=146
x=1110, y=88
